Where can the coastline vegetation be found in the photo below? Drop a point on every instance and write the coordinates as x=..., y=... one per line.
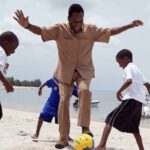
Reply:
x=16, y=82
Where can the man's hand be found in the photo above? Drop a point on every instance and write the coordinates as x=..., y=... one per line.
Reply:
x=133, y=24
x=137, y=23
x=21, y=19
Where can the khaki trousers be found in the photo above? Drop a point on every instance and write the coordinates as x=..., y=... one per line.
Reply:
x=65, y=91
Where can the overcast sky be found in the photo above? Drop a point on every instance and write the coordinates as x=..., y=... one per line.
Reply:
x=35, y=59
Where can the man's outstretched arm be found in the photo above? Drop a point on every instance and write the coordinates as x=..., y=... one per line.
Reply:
x=24, y=22
x=133, y=24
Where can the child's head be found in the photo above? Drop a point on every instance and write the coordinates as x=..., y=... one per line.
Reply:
x=9, y=42
x=124, y=57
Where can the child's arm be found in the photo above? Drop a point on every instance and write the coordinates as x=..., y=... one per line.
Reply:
x=147, y=85
x=7, y=85
x=40, y=89
x=123, y=87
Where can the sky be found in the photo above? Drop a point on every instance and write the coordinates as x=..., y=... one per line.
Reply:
x=35, y=59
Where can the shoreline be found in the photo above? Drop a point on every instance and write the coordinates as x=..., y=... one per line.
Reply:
x=20, y=87
x=145, y=122
x=17, y=127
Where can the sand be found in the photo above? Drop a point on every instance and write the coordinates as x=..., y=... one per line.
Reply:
x=17, y=127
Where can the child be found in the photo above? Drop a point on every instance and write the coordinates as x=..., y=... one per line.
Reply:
x=126, y=117
x=8, y=43
x=50, y=109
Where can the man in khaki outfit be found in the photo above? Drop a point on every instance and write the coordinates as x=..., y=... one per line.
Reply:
x=75, y=41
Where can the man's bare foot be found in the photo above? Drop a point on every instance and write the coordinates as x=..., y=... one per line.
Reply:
x=34, y=136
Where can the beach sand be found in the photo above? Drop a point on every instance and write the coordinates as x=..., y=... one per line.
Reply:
x=17, y=127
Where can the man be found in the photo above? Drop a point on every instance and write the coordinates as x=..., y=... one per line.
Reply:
x=75, y=41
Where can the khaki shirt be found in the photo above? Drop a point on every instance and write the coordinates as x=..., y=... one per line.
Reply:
x=75, y=50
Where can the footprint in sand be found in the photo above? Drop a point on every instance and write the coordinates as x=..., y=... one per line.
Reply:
x=22, y=133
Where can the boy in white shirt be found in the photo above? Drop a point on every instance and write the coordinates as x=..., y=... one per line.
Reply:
x=8, y=43
x=126, y=117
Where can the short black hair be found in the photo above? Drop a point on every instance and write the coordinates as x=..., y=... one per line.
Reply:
x=124, y=53
x=8, y=36
x=75, y=8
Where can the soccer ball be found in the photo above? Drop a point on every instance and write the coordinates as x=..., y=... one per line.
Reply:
x=83, y=142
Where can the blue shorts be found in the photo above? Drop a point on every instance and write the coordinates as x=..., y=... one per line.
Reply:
x=49, y=111
x=48, y=118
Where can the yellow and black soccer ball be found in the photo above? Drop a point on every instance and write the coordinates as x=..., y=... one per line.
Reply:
x=83, y=142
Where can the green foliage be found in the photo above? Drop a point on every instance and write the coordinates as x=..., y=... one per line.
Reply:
x=16, y=82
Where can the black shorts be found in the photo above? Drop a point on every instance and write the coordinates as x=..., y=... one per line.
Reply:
x=1, y=111
x=126, y=117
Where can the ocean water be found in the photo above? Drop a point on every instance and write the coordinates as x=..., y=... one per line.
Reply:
x=27, y=99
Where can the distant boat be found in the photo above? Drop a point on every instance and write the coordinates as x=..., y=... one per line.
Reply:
x=94, y=103
x=146, y=108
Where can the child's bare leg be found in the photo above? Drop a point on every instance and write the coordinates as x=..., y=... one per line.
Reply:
x=139, y=141
x=102, y=144
x=39, y=124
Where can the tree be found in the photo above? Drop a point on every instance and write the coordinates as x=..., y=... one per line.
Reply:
x=16, y=82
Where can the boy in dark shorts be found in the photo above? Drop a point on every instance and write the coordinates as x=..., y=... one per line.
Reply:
x=8, y=43
x=126, y=117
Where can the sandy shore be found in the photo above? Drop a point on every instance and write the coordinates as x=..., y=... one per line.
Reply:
x=17, y=127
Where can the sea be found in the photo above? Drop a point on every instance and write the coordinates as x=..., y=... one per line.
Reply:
x=27, y=99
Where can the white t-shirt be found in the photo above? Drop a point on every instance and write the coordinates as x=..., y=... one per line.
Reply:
x=136, y=89
x=3, y=60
